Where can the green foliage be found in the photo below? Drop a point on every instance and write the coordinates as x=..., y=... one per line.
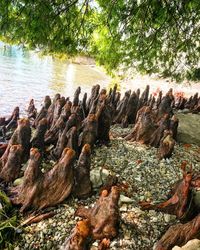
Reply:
x=154, y=36
x=7, y=223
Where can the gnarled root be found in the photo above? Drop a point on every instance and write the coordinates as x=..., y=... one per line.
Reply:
x=179, y=234
x=38, y=139
x=42, y=190
x=166, y=145
x=11, y=169
x=78, y=239
x=104, y=215
x=22, y=136
x=83, y=187
x=178, y=203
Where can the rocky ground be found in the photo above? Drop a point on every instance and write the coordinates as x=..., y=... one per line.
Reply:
x=142, y=178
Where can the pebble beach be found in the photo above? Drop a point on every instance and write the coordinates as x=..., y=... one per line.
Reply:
x=143, y=178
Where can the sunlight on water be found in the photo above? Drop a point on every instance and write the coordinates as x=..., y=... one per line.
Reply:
x=25, y=75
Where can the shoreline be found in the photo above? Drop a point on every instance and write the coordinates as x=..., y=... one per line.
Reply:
x=131, y=163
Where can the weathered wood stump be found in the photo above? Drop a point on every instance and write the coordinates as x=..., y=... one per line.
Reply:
x=180, y=200
x=22, y=136
x=179, y=234
x=166, y=145
x=78, y=239
x=83, y=187
x=31, y=110
x=37, y=140
x=103, y=217
x=43, y=112
x=11, y=170
x=89, y=133
x=43, y=190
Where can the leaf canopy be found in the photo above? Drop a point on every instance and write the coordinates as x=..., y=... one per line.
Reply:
x=154, y=36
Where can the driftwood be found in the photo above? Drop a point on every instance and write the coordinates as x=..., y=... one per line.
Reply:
x=43, y=190
x=78, y=239
x=10, y=171
x=103, y=217
x=37, y=218
x=180, y=234
x=83, y=186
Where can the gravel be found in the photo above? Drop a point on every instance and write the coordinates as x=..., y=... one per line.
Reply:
x=143, y=178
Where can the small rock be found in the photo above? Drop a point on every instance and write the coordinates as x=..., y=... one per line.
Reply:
x=123, y=208
x=125, y=199
x=95, y=177
x=18, y=182
x=191, y=245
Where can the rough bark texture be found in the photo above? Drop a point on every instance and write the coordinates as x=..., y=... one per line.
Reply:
x=50, y=111
x=11, y=122
x=144, y=127
x=178, y=204
x=78, y=239
x=166, y=145
x=42, y=190
x=180, y=234
x=51, y=136
x=37, y=140
x=3, y=148
x=11, y=169
x=121, y=108
x=22, y=136
x=31, y=110
x=131, y=110
x=90, y=129
x=104, y=244
x=104, y=216
x=67, y=136
x=76, y=96
x=43, y=112
x=83, y=186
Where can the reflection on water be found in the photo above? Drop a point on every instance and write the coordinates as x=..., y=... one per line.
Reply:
x=25, y=75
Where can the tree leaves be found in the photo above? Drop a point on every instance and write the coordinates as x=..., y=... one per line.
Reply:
x=158, y=35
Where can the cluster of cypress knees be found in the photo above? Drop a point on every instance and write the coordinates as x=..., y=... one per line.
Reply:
x=73, y=128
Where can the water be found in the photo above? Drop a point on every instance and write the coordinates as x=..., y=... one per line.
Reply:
x=25, y=75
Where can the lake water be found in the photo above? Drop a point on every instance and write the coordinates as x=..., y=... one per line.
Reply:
x=25, y=75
